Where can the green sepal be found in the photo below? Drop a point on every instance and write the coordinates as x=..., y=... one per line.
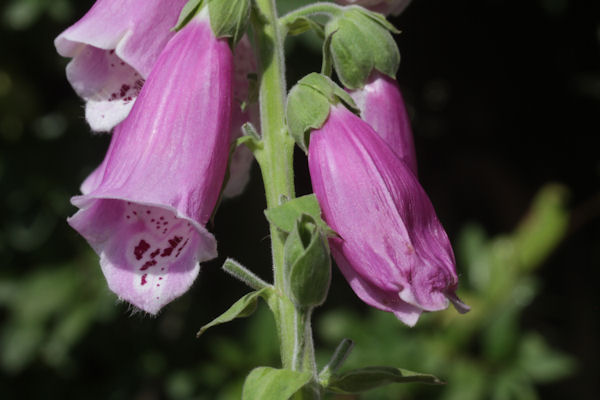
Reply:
x=361, y=42
x=307, y=263
x=363, y=379
x=327, y=61
x=284, y=216
x=188, y=12
x=308, y=105
x=229, y=18
x=251, y=138
x=381, y=20
x=244, y=307
x=303, y=24
x=266, y=383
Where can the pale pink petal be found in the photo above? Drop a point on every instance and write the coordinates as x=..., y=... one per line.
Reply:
x=114, y=47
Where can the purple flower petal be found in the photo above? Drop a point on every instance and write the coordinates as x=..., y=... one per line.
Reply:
x=144, y=209
x=114, y=47
x=382, y=106
x=392, y=243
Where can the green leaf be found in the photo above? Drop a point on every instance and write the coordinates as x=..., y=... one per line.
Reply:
x=305, y=110
x=266, y=383
x=544, y=227
x=301, y=25
x=187, y=13
x=361, y=42
x=284, y=216
x=541, y=362
x=229, y=18
x=360, y=380
x=308, y=105
x=307, y=263
x=240, y=309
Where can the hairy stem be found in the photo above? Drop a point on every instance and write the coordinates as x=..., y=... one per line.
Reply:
x=311, y=10
x=276, y=162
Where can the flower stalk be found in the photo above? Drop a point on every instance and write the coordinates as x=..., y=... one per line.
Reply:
x=276, y=163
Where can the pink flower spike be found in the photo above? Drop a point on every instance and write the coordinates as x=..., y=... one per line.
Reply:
x=144, y=209
x=386, y=7
x=382, y=106
x=392, y=248
x=114, y=47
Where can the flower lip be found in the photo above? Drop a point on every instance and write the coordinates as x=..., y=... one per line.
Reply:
x=114, y=46
x=149, y=253
x=84, y=201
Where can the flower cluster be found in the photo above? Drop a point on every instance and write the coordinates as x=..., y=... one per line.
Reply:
x=175, y=101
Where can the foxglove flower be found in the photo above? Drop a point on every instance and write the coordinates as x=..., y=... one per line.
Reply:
x=381, y=105
x=391, y=248
x=393, y=7
x=114, y=47
x=144, y=209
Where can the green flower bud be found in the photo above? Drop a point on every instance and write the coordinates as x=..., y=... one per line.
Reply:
x=307, y=264
x=360, y=42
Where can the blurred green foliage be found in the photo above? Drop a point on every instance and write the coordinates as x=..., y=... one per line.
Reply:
x=64, y=335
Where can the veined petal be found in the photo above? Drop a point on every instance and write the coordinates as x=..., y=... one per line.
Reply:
x=382, y=106
x=391, y=240
x=149, y=255
x=373, y=295
x=114, y=47
x=143, y=210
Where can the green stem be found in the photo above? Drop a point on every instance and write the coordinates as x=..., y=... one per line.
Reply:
x=276, y=162
x=310, y=10
x=276, y=156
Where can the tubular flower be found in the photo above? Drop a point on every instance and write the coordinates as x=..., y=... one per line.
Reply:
x=393, y=7
x=114, y=47
x=144, y=209
x=382, y=106
x=392, y=248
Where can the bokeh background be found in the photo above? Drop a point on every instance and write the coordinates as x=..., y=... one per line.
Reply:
x=504, y=96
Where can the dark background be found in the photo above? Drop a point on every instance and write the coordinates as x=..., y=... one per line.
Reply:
x=504, y=97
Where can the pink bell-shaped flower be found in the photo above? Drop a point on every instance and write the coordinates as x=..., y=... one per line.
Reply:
x=393, y=7
x=114, y=47
x=144, y=210
x=381, y=105
x=391, y=248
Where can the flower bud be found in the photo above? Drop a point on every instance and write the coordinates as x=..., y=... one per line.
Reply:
x=381, y=105
x=391, y=247
x=307, y=264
